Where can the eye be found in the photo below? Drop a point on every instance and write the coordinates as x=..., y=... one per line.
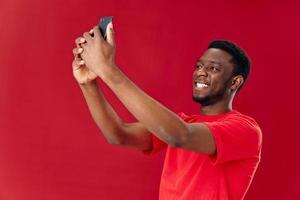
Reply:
x=199, y=65
x=214, y=69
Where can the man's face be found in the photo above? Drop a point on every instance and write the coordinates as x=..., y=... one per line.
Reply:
x=212, y=77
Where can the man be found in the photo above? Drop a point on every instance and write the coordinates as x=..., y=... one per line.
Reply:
x=211, y=155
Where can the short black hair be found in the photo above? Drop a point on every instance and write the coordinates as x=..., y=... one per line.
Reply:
x=239, y=57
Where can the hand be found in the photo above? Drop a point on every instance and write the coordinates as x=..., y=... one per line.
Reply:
x=98, y=54
x=81, y=73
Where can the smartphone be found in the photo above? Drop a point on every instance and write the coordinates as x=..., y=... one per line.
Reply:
x=102, y=25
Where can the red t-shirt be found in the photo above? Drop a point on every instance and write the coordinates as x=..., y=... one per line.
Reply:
x=189, y=175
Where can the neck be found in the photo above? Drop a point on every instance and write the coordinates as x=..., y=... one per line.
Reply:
x=217, y=108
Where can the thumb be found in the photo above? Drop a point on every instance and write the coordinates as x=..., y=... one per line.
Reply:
x=110, y=35
x=97, y=33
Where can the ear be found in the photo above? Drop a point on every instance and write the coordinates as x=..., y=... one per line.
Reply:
x=237, y=82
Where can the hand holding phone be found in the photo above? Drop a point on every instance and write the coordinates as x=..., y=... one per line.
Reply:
x=102, y=25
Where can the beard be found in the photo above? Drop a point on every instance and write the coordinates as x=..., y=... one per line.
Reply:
x=212, y=98
x=208, y=100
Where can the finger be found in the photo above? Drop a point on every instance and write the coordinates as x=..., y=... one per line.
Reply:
x=91, y=32
x=79, y=61
x=87, y=37
x=97, y=34
x=79, y=41
x=85, y=47
x=77, y=51
x=110, y=34
x=75, y=65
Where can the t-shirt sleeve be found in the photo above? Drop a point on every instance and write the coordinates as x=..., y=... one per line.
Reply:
x=236, y=137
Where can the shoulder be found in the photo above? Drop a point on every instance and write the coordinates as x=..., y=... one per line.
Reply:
x=242, y=120
x=244, y=124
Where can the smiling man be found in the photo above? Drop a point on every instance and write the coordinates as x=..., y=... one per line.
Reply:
x=211, y=155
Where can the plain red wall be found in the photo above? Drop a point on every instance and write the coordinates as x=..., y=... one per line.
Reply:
x=51, y=149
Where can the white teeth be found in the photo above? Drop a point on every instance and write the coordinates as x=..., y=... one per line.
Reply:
x=201, y=85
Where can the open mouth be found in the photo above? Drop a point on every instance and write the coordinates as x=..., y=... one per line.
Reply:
x=200, y=85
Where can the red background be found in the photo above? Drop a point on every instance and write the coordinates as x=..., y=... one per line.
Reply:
x=51, y=149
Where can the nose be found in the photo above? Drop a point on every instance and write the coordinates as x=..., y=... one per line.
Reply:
x=201, y=71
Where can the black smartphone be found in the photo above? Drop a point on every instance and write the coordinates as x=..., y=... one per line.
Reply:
x=102, y=25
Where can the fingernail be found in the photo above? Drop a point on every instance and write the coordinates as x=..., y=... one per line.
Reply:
x=82, y=40
x=80, y=50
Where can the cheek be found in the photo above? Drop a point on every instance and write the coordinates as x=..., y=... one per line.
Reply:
x=218, y=83
x=194, y=73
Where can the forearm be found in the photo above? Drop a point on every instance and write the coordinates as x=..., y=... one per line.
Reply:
x=103, y=114
x=154, y=116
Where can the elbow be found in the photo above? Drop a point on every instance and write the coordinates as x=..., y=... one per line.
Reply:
x=179, y=140
x=115, y=137
x=115, y=141
x=175, y=144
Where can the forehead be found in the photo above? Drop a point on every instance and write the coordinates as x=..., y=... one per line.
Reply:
x=216, y=56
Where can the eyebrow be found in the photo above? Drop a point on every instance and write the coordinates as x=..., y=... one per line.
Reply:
x=211, y=61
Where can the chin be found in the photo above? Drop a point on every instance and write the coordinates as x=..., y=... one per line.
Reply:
x=207, y=100
x=202, y=100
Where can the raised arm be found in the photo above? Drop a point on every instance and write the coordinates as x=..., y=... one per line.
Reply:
x=113, y=128
x=98, y=56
